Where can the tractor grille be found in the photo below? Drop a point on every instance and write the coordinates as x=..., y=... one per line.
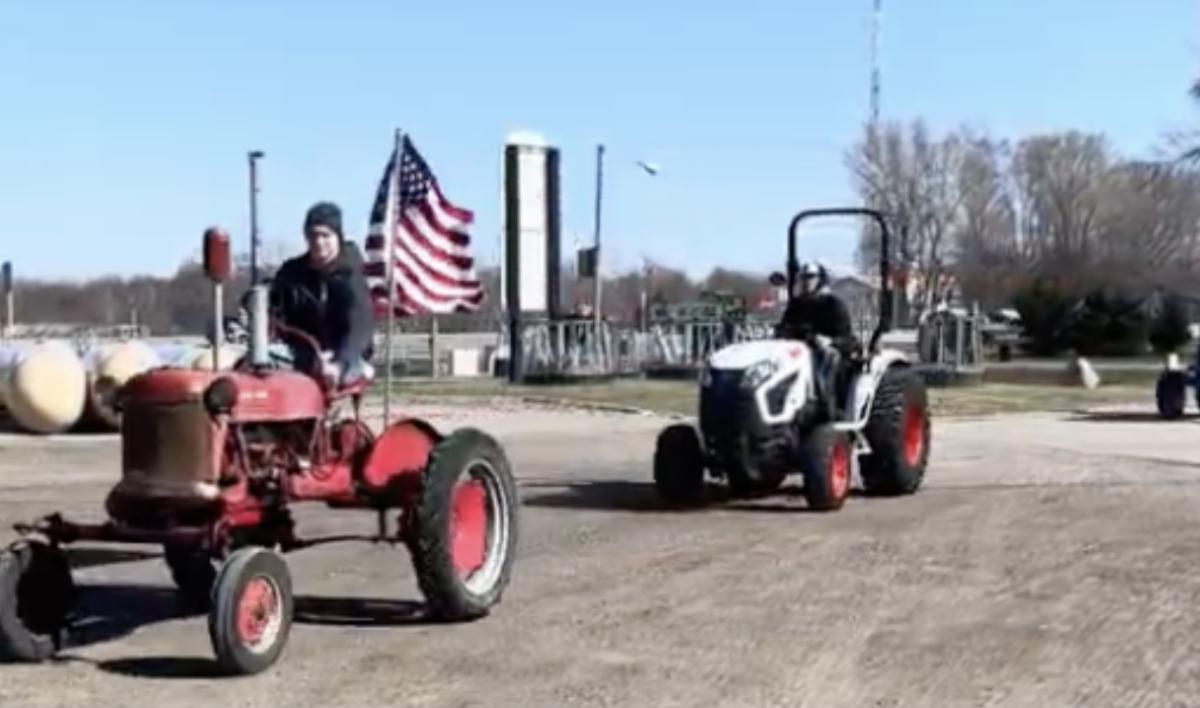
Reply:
x=728, y=418
x=167, y=470
x=733, y=431
x=725, y=407
x=167, y=444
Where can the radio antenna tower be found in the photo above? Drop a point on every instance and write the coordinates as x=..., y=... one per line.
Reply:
x=876, y=16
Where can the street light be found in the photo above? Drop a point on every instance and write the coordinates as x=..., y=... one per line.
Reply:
x=649, y=168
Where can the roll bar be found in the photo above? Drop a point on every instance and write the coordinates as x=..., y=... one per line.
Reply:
x=885, y=290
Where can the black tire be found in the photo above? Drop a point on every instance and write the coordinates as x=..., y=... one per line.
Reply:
x=679, y=466
x=827, y=464
x=463, y=533
x=1170, y=394
x=37, y=595
x=194, y=571
x=899, y=433
x=251, y=615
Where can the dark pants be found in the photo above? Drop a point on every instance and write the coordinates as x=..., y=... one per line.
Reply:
x=828, y=363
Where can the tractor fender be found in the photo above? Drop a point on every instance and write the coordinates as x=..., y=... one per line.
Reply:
x=399, y=455
x=867, y=381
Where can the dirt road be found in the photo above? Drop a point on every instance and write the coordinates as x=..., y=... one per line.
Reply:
x=1047, y=562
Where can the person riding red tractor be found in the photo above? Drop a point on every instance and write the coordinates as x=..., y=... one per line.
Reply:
x=212, y=462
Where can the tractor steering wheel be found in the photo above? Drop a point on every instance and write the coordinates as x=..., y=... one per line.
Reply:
x=278, y=330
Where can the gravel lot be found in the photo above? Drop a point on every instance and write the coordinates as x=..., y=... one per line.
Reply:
x=1048, y=561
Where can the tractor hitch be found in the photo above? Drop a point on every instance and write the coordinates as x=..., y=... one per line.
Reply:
x=59, y=531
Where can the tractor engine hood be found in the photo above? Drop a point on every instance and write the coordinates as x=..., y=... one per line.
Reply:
x=744, y=355
x=273, y=397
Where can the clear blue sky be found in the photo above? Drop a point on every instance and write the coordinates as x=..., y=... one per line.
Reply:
x=126, y=123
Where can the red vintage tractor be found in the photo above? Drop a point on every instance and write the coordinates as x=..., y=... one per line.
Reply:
x=212, y=462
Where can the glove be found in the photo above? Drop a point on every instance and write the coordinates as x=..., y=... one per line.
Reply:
x=331, y=371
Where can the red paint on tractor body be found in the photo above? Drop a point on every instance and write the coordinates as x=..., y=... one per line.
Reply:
x=273, y=396
x=398, y=457
x=279, y=396
x=212, y=467
x=332, y=482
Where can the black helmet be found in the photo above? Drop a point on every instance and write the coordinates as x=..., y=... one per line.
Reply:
x=812, y=277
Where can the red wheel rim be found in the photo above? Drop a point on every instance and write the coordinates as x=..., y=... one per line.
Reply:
x=258, y=613
x=468, y=526
x=839, y=469
x=914, y=434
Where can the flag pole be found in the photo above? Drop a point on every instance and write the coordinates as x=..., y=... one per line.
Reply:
x=389, y=233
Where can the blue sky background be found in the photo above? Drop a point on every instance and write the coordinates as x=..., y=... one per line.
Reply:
x=125, y=124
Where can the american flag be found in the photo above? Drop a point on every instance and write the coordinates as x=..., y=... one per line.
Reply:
x=433, y=271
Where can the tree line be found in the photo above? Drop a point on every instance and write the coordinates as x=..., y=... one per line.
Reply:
x=181, y=304
x=1099, y=252
x=990, y=218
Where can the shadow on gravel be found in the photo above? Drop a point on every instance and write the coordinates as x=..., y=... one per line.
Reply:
x=607, y=495
x=1126, y=417
x=359, y=612
x=163, y=667
x=619, y=495
x=111, y=611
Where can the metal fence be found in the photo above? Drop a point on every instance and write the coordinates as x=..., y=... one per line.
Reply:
x=577, y=348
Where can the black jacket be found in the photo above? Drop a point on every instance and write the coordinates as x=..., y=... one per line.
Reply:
x=820, y=313
x=334, y=306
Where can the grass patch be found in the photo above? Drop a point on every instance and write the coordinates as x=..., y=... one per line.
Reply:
x=681, y=396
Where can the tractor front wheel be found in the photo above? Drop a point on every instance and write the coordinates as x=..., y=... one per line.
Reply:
x=251, y=613
x=463, y=533
x=679, y=466
x=1170, y=394
x=827, y=464
x=37, y=594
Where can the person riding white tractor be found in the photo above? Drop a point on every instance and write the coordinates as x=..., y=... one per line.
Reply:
x=808, y=401
x=818, y=316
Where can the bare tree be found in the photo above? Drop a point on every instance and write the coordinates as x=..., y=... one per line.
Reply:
x=1058, y=182
x=1059, y=206
x=987, y=248
x=747, y=286
x=916, y=182
x=1193, y=153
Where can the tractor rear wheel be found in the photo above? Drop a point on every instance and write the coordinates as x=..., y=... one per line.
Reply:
x=251, y=613
x=827, y=457
x=194, y=571
x=679, y=466
x=899, y=433
x=463, y=533
x=37, y=594
x=1170, y=394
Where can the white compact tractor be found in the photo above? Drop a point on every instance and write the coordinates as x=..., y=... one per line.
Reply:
x=762, y=418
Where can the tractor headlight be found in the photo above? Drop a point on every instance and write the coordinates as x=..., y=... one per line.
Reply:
x=760, y=372
x=221, y=396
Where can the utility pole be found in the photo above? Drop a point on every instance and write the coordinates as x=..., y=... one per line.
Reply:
x=596, y=243
x=6, y=286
